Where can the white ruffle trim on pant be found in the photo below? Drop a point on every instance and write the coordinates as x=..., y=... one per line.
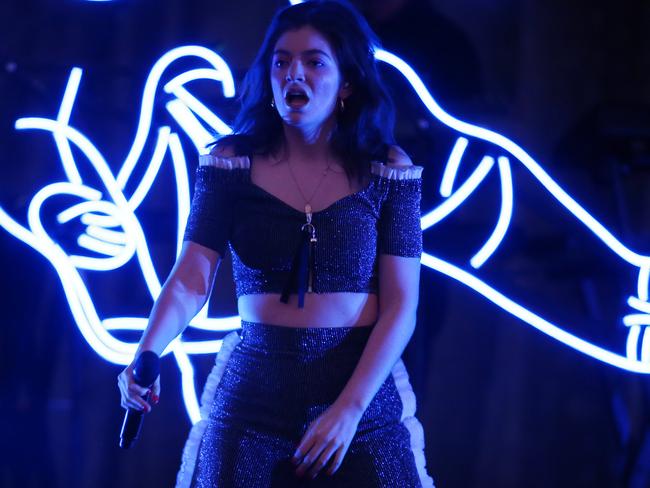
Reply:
x=191, y=450
x=409, y=420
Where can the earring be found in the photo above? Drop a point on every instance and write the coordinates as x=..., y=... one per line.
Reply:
x=272, y=102
x=341, y=105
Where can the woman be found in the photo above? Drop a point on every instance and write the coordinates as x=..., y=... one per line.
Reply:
x=322, y=215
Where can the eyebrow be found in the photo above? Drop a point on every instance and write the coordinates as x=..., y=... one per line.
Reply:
x=307, y=52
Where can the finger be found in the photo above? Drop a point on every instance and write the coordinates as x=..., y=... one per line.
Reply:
x=309, y=458
x=156, y=387
x=128, y=405
x=136, y=389
x=155, y=391
x=139, y=403
x=303, y=448
x=322, y=460
x=132, y=404
x=336, y=461
x=124, y=391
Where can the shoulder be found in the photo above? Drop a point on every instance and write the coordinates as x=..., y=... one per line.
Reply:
x=231, y=145
x=398, y=157
x=224, y=156
x=398, y=166
x=223, y=151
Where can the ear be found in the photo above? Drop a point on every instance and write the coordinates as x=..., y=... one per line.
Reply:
x=345, y=91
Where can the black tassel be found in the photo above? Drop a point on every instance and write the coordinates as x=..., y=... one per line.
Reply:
x=298, y=278
x=312, y=265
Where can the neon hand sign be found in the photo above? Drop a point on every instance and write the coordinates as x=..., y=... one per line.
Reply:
x=114, y=235
x=640, y=316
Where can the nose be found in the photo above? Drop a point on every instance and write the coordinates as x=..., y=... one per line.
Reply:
x=295, y=72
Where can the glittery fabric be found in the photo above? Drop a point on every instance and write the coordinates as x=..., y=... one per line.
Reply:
x=263, y=232
x=276, y=381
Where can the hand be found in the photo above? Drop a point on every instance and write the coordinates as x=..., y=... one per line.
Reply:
x=329, y=434
x=132, y=393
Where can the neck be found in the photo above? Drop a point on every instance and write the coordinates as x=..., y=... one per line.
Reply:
x=308, y=144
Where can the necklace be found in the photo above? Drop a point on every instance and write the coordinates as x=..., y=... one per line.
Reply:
x=308, y=209
x=301, y=275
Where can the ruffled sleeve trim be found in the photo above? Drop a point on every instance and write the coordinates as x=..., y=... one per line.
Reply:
x=235, y=162
x=396, y=172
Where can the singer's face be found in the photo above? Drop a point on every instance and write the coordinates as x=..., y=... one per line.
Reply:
x=305, y=78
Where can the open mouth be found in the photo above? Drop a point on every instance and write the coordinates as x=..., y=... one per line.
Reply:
x=296, y=99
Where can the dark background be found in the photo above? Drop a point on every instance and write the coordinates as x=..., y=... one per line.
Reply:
x=501, y=404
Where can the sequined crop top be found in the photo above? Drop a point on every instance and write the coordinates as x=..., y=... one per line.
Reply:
x=272, y=252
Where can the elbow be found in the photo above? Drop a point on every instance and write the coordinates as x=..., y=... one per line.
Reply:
x=196, y=288
x=401, y=314
x=188, y=295
x=400, y=304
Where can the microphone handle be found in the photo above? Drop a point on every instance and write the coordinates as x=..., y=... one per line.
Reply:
x=131, y=426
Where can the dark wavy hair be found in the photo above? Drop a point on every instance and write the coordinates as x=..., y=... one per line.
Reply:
x=364, y=130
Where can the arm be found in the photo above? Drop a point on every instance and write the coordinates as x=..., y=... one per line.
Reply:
x=399, y=285
x=182, y=296
x=190, y=281
x=189, y=284
x=399, y=279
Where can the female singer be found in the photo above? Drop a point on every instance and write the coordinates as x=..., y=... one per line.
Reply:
x=321, y=213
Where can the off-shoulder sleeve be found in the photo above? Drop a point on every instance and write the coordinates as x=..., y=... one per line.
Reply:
x=400, y=233
x=215, y=189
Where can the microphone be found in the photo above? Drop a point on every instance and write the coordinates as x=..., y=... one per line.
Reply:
x=145, y=373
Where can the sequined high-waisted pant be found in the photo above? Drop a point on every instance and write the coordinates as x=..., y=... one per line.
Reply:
x=268, y=385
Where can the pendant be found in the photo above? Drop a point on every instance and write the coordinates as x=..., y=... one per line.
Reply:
x=309, y=228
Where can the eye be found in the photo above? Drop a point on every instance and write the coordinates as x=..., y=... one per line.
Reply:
x=317, y=62
x=278, y=63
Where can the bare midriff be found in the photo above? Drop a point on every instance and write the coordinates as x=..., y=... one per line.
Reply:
x=320, y=310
